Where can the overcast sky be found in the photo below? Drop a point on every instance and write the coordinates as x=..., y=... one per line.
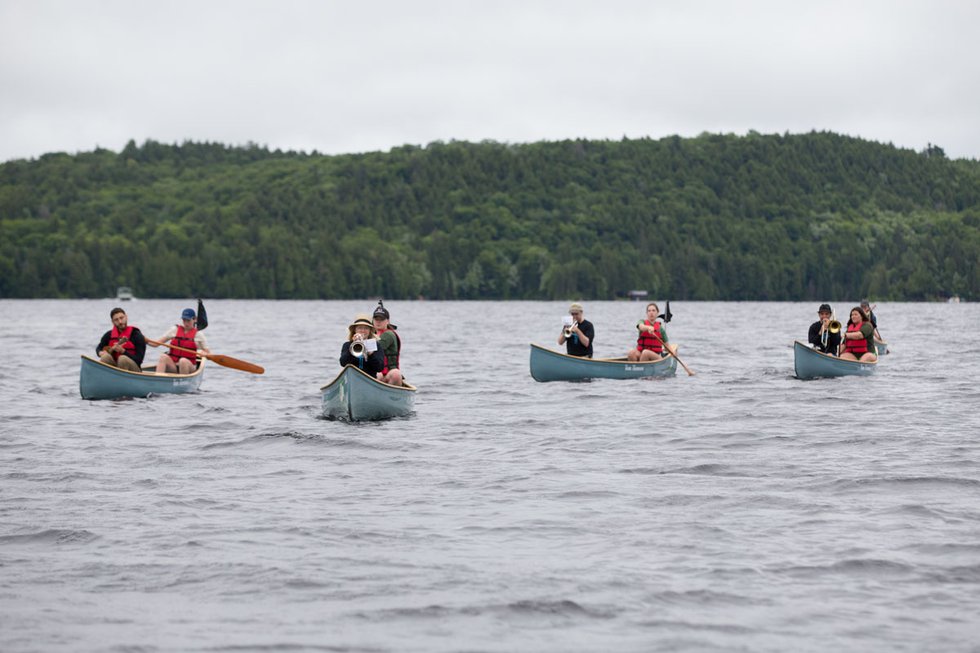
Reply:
x=364, y=75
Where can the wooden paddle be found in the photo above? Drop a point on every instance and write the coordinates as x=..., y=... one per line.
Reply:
x=220, y=359
x=673, y=353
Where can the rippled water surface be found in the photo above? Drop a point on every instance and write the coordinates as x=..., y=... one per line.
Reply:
x=737, y=509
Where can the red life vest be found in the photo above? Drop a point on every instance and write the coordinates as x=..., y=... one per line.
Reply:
x=647, y=341
x=128, y=347
x=183, y=339
x=388, y=367
x=858, y=346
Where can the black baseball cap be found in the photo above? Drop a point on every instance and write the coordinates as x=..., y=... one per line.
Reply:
x=825, y=308
x=381, y=311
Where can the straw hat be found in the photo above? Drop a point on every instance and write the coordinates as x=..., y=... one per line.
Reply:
x=362, y=319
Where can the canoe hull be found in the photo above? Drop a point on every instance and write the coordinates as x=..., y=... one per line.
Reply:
x=548, y=365
x=100, y=381
x=812, y=364
x=355, y=396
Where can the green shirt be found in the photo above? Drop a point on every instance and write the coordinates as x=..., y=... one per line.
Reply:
x=389, y=345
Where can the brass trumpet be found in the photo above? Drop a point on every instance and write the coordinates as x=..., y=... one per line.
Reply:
x=568, y=330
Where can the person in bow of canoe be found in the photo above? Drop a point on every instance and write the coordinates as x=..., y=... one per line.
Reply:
x=360, y=331
x=581, y=333
x=859, y=342
x=652, y=341
x=820, y=336
x=390, y=345
x=185, y=335
x=866, y=307
x=123, y=345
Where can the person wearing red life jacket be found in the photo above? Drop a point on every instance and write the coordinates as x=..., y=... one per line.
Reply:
x=859, y=340
x=390, y=345
x=186, y=336
x=652, y=343
x=122, y=346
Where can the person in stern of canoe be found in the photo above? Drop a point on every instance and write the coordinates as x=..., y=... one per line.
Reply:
x=580, y=334
x=859, y=339
x=361, y=331
x=122, y=346
x=389, y=344
x=652, y=340
x=866, y=307
x=185, y=335
x=820, y=336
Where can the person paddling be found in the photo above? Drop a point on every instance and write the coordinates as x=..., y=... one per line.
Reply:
x=185, y=335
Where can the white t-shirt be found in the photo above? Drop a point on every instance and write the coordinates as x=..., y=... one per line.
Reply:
x=199, y=338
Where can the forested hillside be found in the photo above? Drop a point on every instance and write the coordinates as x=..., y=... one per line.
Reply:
x=790, y=217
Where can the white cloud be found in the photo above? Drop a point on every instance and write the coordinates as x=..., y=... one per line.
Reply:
x=343, y=77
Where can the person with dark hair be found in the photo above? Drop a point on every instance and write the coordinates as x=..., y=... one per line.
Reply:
x=866, y=307
x=123, y=345
x=820, y=335
x=859, y=339
x=651, y=345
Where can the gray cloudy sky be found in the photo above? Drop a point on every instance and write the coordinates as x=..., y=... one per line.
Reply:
x=357, y=76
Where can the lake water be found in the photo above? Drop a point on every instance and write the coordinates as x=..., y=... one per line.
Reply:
x=738, y=509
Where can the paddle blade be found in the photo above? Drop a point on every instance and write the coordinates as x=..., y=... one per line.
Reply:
x=202, y=316
x=235, y=364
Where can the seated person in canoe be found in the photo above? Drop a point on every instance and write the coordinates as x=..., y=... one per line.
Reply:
x=390, y=345
x=360, y=337
x=859, y=342
x=652, y=343
x=821, y=337
x=186, y=336
x=123, y=345
x=868, y=310
x=578, y=335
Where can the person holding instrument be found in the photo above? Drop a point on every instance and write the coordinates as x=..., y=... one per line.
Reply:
x=825, y=334
x=358, y=350
x=859, y=342
x=122, y=346
x=578, y=335
x=651, y=344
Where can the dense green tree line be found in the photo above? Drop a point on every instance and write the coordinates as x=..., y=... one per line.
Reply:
x=724, y=217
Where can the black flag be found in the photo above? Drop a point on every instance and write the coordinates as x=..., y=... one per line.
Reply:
x=666, y=315
x=202, y=316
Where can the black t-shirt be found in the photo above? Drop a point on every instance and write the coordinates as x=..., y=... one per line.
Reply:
x=574, y=347
x=815, y=339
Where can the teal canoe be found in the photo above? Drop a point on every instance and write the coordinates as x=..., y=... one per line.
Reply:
x=100, y=381
x=548, y=365
x=811, y=364
x=357, y=396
